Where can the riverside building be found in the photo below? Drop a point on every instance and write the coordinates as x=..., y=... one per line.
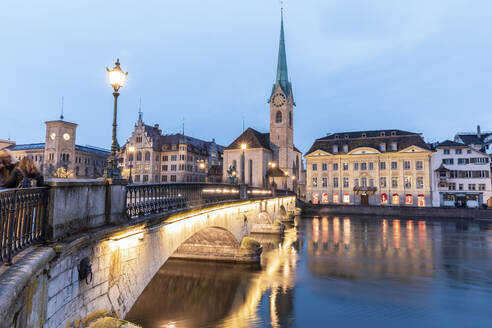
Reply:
x=157, y=158
x=383, y=167
x=461, y=175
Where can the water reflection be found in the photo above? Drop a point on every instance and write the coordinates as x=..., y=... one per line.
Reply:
x=348, y=271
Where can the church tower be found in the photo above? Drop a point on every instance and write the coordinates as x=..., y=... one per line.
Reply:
x=282, y=111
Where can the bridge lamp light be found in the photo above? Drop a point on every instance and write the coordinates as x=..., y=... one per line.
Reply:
x=117, y=80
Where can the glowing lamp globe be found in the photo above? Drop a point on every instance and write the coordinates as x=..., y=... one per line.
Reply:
x=116, y=76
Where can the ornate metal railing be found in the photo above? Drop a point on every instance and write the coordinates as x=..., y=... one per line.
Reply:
x=23, y=214
x=149, y=199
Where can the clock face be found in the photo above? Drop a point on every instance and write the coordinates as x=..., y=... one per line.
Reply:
x=66, y=136
x=53, y=135
x=278, y=100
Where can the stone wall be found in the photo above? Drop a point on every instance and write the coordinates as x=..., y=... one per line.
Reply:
x=398, y=211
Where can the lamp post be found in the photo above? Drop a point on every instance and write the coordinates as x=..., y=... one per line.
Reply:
x=117, y=80
x=203, y=167
x=243, y=148
x=131, y=150
x=273, y=165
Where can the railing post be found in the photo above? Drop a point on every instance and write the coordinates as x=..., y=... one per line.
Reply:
x=11, y=223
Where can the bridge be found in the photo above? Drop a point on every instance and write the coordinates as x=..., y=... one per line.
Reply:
x=80, y=249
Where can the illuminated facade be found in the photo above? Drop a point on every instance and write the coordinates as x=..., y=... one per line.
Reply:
x=383, y=167
x=158, y=158
x=461, y=176
x=60, y=151
x=261, y=150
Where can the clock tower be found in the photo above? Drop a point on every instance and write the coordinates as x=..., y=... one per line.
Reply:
x=282, y=112
x=59, y=148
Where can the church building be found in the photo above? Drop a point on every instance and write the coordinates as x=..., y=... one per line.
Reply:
x=265, y=159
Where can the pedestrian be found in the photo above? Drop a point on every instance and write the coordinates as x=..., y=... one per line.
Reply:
x=25, y=175
x=7, y=164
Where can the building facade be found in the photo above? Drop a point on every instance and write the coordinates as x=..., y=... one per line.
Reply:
x=478, y=140
x=262, y=159
x=157, y=158
x=461, y=176
x=383, y=167
x=60, y=151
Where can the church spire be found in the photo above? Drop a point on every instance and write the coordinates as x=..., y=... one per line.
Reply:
x=282, y=73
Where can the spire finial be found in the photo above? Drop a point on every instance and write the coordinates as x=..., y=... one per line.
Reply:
x=183, y=131
x=282, y=78
x=140, y=114
x=61, y=115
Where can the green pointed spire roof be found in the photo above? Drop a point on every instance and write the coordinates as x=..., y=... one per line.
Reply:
x=282, y=72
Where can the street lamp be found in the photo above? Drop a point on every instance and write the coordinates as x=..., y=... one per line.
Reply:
x=243, y=148
x=117, y=80
x=131, y=150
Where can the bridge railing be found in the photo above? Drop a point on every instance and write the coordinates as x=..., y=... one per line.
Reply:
x=23, y=219
x=149, y=199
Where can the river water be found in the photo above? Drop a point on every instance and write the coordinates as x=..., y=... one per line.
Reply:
x=336, y=271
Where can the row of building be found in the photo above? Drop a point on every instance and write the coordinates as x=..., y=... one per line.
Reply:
x=394, y=167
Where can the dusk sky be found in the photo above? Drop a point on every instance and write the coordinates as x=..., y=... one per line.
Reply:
x=422, y=66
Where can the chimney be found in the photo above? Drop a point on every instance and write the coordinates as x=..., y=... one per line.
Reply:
x=478, y=131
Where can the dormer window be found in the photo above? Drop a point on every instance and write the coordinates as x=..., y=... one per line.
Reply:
x=346, y=136
x=394, y=146
x=393, y=133
x=335, y=148
x=382, y=147
x=345, y=148
x=364, y=135
x=337, y=136
x=139, y=139
x=382, y=134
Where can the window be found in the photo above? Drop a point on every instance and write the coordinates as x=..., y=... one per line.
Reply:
x=471, y=186
x=463, y=161
x=335, y=148
x=345, y=182
x=448, y=161
x=336, y=198
x=382, y=147
x=335, y=166
x=363, y=166
x=371, y=182
x=396, y=199
x=130, y=157
x=315, y=182
x=419, y=165
x=137, y=176
x=325, y=182
x=174, y=158
x=290, y=119
x=145, y=178
x=139, y=156
x=345, y=148
x=345, y=166
x=165, y=158
x=173, y=178
x=147, y=156
x=408, y=182
x=394, y=165
x=164, y=167
x=363, y=182
x=481, y=186
x=356, y=166
x=382, y=165
x=468, y=151
x=384, y=199
x=458, y=151
x=406, y=165
x=278, y=117
x=315, y=167
x=346, y=198
x=371, y=166
x=446, y=151
x=335, y=182
x=182, y=157
x=420, y=200
x=324, y=166
x=394, y=146
x=408, y=199
x=479, y=160
x=394, y=182
x=420, y=182
x=173, y=167
x=356, y=182
x=364, y=135
x=460, y=186
x=139, y=139
x=382, y=182
x=452, y=186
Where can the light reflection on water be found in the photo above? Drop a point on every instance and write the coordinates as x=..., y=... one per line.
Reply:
x=337, y=270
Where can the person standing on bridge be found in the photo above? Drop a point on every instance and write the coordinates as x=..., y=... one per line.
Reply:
x=7, y=165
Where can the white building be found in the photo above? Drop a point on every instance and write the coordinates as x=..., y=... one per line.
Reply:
x=461, y=176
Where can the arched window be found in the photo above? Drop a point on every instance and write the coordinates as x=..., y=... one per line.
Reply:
x=290, y=119
x=147, y=156
x=278, y=117
x=139, y=156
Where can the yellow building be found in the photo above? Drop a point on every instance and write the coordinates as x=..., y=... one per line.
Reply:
x=383, y=167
